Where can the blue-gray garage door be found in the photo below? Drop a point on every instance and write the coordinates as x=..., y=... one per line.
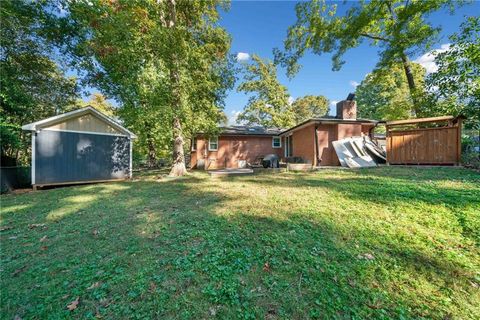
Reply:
x=62, y=157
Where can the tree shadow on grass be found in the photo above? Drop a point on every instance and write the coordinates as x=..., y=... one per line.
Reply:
x=150, y=249
x=396, y=187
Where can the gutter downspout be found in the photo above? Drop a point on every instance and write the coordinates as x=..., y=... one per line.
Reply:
x=317, y=155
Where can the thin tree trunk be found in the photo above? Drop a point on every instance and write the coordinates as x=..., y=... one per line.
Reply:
x=151, y=150
x=411, y=82
x=152, y=155
x=178, y=165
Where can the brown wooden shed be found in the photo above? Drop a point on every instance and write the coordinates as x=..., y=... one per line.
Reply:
x=424, y=141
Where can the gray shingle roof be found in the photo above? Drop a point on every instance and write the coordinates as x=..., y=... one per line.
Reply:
x=250, y=130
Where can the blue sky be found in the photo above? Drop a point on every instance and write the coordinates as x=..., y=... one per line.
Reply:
x=258, y=27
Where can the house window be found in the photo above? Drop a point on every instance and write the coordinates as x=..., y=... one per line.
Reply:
x=194, y=144
x=213, y=144
x=276, y=142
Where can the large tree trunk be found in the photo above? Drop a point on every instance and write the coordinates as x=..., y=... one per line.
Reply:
x=411, y=82
x=178, y=166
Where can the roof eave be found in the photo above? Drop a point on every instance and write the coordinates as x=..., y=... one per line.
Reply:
x=34, y=126
x=329, y=121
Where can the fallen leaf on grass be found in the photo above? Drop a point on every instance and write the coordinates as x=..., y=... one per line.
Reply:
x=94, y=285
x=17, y=317
x=266, y=267
x=374, y=306
x=74, y=304
x=19, y=270
x=36, y=225
x=366, y=256
x=5, y=228
x=95, y=232
x=43, y=239
x=43, y=248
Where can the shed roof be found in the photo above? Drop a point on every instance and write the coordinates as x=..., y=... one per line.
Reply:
x=38, y=125
x=420, y=120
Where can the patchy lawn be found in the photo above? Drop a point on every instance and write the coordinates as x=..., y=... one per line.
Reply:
x=375, y=243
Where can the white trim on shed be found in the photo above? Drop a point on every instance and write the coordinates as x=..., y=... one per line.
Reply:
x=36, y=126
x=114, y=129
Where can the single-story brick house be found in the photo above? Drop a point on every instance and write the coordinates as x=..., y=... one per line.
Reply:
x=311, y=140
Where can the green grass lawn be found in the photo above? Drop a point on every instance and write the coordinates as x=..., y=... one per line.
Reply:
x=349, y=244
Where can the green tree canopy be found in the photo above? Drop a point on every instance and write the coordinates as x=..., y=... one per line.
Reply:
x=166, y=62
x=384, y=93
x=268, y=104
x=99, y=102
x=397, y=27
x=308, y=107
x=32, y=85
x=455, y=86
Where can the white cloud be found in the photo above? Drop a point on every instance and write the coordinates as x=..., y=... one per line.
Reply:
x=428, y=59
x=232, y=119
x=333, y=103
x=290, y=99
x=243, y=56
x=354, y=83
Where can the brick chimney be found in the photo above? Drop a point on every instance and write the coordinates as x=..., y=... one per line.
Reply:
x=347, y=109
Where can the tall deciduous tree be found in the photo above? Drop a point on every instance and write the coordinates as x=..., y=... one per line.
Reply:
x=99, y=102
x=398, y=27
x=165, y=61
x=32, y=85
x=269, y=102
x=384, y=93
x=308, y=107
x=456, y=84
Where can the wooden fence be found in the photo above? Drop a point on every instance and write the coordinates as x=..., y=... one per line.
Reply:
x=428, y=146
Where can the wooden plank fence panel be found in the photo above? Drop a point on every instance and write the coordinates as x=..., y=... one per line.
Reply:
x=423, y=146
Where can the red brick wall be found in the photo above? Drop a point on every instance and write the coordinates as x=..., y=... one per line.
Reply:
x=348, y=130
x=231, y=149
x=326, y=134
x=304, y=143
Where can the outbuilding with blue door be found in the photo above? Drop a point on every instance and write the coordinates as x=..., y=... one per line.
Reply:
x=81, y=146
